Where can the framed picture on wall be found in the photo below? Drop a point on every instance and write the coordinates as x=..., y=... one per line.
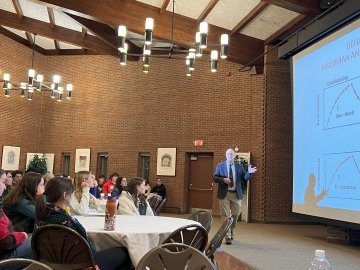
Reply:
x=166, y=161
x=82, y=160
x=10, y=158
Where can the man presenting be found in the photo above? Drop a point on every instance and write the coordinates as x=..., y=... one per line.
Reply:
x=228, y=175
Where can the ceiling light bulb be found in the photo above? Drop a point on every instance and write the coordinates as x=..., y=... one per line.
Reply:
x=40, y=78
x=6, y=77
x=197, y=37
x=203, y=27
x=31, y=73
x=122, y=31
x=149, y=24
x=224, y=39
x=56, y=79
x=214, y=55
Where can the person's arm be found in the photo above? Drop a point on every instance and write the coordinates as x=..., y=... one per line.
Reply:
x=82, y=207
x=127, y=206
x=9, y=240
x=26, y=208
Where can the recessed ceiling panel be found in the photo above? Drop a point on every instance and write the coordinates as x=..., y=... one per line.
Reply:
x=268, y=22
x=65, y=46
x=17, y=32
x=228, y=13
x=186, y=8
x=45, y=43
x=35, y=11
x=7, y=5
x=64, y=21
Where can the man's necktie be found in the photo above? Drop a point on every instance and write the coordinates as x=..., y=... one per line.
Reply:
x=231, y=184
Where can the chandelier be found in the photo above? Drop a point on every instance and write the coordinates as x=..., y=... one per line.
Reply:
x=194, y=52
x=36, y=84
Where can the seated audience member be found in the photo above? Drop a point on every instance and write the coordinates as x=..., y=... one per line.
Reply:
x=120, y=184
x=148, y=188
x=97, y=189
x=159, y=189
x=50, y=207
x=132, y=200
x=4, y=177
x=17, y=176
x=48, y=176
x=109, y=185
x=19, y=204
x=82, y=201
x=12, y=244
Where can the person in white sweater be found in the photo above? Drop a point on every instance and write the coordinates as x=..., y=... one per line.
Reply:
x=82, y=200
x=132, y=200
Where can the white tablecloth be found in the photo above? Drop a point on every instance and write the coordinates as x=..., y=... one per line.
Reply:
x=139, y=234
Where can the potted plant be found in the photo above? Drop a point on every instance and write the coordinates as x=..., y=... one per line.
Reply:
x=38, y=164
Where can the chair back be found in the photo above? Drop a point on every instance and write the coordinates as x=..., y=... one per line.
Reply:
x=204, y=218
x=61, y=248
x=193, y=235
x=158, y=208
x=175, y=256
x=216, y=241
x=18, y=263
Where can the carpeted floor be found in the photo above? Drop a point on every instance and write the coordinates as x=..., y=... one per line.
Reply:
x=285, y=247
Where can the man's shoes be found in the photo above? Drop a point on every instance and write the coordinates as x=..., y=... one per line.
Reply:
x=228, y=241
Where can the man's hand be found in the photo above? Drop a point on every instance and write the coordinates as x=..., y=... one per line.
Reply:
x=227, y=180
x=252, y=169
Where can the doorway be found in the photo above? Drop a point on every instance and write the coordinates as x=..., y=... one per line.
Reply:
x=200, y=181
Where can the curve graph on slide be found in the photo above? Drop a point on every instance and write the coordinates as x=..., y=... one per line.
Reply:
x=342, y=104
x=343, y=175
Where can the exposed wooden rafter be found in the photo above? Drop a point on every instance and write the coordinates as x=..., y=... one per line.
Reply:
x=206, y=11
x=305, y=7
x=57, y=33
x=242, y=49
x=248, y=18
x=51, y=16
x=20, y=15
x=164, y=6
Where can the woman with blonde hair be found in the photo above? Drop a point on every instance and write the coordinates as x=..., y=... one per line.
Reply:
x=132, y=201
x=82, y=200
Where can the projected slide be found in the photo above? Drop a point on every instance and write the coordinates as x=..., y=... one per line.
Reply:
x=326, y=113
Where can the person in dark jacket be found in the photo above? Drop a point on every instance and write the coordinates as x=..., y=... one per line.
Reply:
x=12, y=244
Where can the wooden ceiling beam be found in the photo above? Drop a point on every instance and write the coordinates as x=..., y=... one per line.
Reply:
x=164, y=6
x=29, y=38
x=21, y=40
x=58, y=33
x=133, y=15
x=51, y=17
x=248, y=18
x=103, y=32
x=206, y=11
x=305, y=7
x=18, y=9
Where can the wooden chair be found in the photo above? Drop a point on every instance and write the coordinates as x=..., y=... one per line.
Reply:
x=158, y=208
x=204, y=218
x=216, y=241
x=175, y=256
x=193, y=235
x=61, y=248
x=27, y=264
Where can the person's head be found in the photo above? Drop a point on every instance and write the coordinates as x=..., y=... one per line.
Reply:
x=48, y=176
x=136, y=186
x=2, y=181
x=58, y=191
x=230, y=155
x=101, y=179
x=81, y=177
x=17, y=176
x=9, y=179
x=121, y=182
x=158, y=181
x=31, y=186
x=113, y=177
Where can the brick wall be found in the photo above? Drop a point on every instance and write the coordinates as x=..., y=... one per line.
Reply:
x=122, y=111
